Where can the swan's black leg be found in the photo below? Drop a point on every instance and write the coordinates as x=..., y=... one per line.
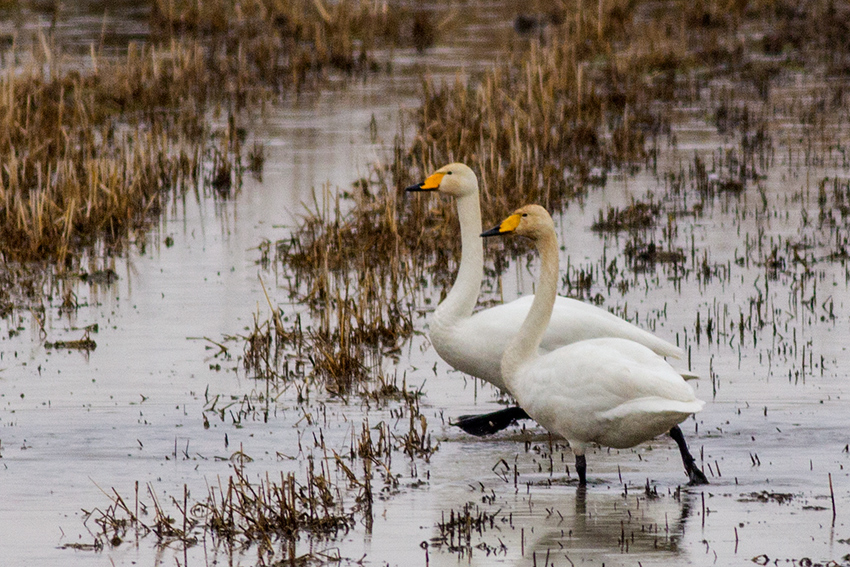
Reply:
x=489, y=423
x=695, y=475
x=581, y=469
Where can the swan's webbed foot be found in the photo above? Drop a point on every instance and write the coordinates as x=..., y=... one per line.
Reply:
x=695, y=475
x=490, y=423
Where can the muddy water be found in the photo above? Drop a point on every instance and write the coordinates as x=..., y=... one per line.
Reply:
x=76, y=426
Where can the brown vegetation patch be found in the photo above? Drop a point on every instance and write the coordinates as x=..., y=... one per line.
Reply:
x=633, y=217
x=92, y=148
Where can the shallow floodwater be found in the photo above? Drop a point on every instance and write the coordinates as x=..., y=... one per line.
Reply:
x=774, y=433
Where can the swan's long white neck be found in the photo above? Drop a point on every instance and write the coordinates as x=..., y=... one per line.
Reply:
x=461, y=300
x=524, y=346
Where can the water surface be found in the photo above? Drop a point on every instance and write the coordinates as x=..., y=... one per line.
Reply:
x=75, y=426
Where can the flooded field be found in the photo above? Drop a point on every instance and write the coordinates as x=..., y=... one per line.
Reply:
x=157, y=421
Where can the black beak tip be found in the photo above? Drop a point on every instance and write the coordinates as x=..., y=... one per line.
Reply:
x=414, y=188
x=492, y=232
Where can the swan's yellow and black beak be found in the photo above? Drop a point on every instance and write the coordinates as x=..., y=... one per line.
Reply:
x=430, y=184
x=508, y=225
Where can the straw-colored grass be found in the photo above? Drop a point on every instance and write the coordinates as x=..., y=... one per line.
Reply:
x=90, y=148
x=72, y=171
x=333, y=490
x=286, y=44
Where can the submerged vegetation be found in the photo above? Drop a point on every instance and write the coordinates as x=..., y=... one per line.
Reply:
x=279, y=514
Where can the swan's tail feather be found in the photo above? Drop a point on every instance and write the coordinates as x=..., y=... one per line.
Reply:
x=687, y=374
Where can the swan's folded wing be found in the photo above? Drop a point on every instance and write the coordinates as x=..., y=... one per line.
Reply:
x=572, y=321
x=598, y=375
x=594, y=322
x=640, y=373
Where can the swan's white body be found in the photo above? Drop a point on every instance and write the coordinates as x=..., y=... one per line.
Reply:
x=474, y=342
x=610, y=391
x=613, y=392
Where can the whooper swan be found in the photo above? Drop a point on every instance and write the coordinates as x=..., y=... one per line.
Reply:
x=609, y=391
x=474, y=343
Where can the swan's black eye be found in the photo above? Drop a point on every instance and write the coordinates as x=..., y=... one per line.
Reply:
x=448, y=173
x=525, y=214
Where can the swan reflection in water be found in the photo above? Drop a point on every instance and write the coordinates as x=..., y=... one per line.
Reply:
x=605, y=522
x=611, y=527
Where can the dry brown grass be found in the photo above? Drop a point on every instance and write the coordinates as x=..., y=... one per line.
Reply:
x=360, y=303
x=324, y=499
x=286, y=44
x=93, y=148
x=92, y=154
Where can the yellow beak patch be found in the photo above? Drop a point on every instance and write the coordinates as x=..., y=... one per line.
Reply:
x=510, y=223
x=433, y=181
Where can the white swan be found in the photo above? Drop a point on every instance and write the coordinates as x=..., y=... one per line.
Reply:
x=609, y=391
x=474, y=343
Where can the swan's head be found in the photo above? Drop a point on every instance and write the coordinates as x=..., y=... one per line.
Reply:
x=455, y=179
x=531, y=221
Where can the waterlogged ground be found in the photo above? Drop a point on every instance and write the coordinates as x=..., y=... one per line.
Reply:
x=760, y=303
